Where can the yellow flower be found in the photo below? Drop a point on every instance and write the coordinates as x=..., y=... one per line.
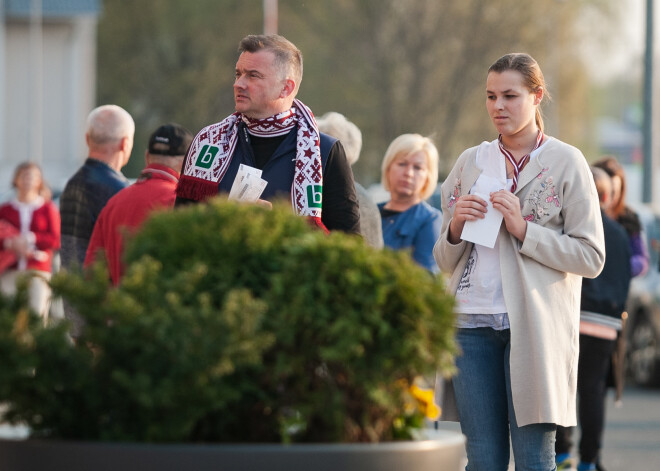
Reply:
x=424, y=398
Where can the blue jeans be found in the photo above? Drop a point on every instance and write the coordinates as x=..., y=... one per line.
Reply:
x=483, y=397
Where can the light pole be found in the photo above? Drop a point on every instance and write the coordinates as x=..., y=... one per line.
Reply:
x=35, y=143
x=270, y=16
x=647, y=128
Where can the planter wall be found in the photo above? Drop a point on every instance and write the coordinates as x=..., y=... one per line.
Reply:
x=444, y=451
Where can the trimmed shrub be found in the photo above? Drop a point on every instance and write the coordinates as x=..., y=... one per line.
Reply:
x=233, y=323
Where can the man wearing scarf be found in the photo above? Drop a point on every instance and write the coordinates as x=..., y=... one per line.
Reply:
x=273, y=131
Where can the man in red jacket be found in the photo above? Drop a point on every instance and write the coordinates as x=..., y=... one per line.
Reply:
x=154, y=189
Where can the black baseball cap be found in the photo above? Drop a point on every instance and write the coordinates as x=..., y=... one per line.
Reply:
x=170, y=139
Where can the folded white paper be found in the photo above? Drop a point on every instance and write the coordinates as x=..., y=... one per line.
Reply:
x=484, y=231
x=248, y=185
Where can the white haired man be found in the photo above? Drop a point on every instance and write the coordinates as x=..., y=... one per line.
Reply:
x=109, y=136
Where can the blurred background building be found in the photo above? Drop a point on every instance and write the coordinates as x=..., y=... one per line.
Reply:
x=48, y=84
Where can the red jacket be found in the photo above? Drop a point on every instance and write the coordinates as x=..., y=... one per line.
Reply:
x=44, y=227
x=126, y=211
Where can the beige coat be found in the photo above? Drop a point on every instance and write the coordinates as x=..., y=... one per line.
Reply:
x=541, y=277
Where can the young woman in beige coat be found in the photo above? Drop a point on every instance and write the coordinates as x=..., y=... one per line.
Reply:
x=518, y=294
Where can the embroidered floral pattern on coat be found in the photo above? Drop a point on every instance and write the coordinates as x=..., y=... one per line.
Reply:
x=542, y=200
x=457, y=191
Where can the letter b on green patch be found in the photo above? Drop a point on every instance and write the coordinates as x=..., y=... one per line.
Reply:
x=314, y=196
x=206, y=156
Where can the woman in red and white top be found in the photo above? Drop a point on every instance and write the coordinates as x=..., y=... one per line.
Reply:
x=35, y=236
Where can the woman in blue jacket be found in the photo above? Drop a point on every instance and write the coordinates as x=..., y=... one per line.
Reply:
x=410, y=174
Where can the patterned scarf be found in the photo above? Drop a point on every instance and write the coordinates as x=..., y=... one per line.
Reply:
x=212, y=149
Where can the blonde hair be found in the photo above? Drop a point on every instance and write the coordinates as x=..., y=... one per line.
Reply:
x=405, y=145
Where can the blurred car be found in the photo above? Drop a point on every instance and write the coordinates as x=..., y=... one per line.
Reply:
x=643, y=328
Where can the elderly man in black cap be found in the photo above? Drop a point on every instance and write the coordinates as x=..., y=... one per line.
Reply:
x=154, y=189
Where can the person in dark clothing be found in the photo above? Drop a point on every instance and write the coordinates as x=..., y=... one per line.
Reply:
x=602, y=303
x=276, y=133
x=109, y=136
x=110, y=131
x=625, y=215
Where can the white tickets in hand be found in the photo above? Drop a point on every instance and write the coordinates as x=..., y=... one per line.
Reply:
x=251, y=188
x=248, y=185
x=243, y=171
x=484, y=231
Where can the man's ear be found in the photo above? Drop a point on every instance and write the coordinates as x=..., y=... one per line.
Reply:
x=289, y=87
x=123, y=145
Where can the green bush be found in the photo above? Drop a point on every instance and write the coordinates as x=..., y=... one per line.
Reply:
x=232, y=323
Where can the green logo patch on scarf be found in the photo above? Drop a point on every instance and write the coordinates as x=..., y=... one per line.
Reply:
x=314, y=196
x=206, y=156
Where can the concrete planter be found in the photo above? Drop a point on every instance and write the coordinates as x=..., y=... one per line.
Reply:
x=442, y=450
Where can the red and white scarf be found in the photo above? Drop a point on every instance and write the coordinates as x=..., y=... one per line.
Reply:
x=212, y=149
x=518, y=166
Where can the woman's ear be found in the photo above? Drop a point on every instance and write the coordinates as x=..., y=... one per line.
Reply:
x=538, y=95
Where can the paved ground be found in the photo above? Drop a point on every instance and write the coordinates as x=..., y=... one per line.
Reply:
x=632, y=433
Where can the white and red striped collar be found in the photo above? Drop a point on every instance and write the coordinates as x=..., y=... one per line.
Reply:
x=518, y=166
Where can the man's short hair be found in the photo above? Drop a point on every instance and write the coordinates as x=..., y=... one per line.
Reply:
x=171, y=140
x=288, y=57
x=109, y=123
